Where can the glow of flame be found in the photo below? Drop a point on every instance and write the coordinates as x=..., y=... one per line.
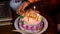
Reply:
x=34, y=7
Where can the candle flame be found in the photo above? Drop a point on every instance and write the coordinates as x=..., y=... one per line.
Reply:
x=34, y=7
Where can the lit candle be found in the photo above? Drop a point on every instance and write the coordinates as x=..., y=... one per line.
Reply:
x=34, y=7
x=28, y=17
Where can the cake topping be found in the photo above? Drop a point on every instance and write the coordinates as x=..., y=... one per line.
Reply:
x=31, y=17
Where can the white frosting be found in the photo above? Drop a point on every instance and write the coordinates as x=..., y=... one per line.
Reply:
x=31, y=21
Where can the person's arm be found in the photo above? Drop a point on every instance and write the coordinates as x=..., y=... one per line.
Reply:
x=27, y=3
x=21, y=8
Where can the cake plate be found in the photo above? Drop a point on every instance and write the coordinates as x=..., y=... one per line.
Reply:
x=21, y=31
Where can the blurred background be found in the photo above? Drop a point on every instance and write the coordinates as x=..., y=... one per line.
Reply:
x=50, y=9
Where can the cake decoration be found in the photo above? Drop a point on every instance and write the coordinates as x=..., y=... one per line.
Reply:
x=31, y=21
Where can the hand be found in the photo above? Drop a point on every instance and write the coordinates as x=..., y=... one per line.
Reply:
x=21, y=8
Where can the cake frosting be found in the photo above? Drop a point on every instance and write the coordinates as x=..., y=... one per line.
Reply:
x=31, y=21
x=32, y=18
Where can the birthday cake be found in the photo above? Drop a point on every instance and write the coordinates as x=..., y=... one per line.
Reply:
x=31, y=21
